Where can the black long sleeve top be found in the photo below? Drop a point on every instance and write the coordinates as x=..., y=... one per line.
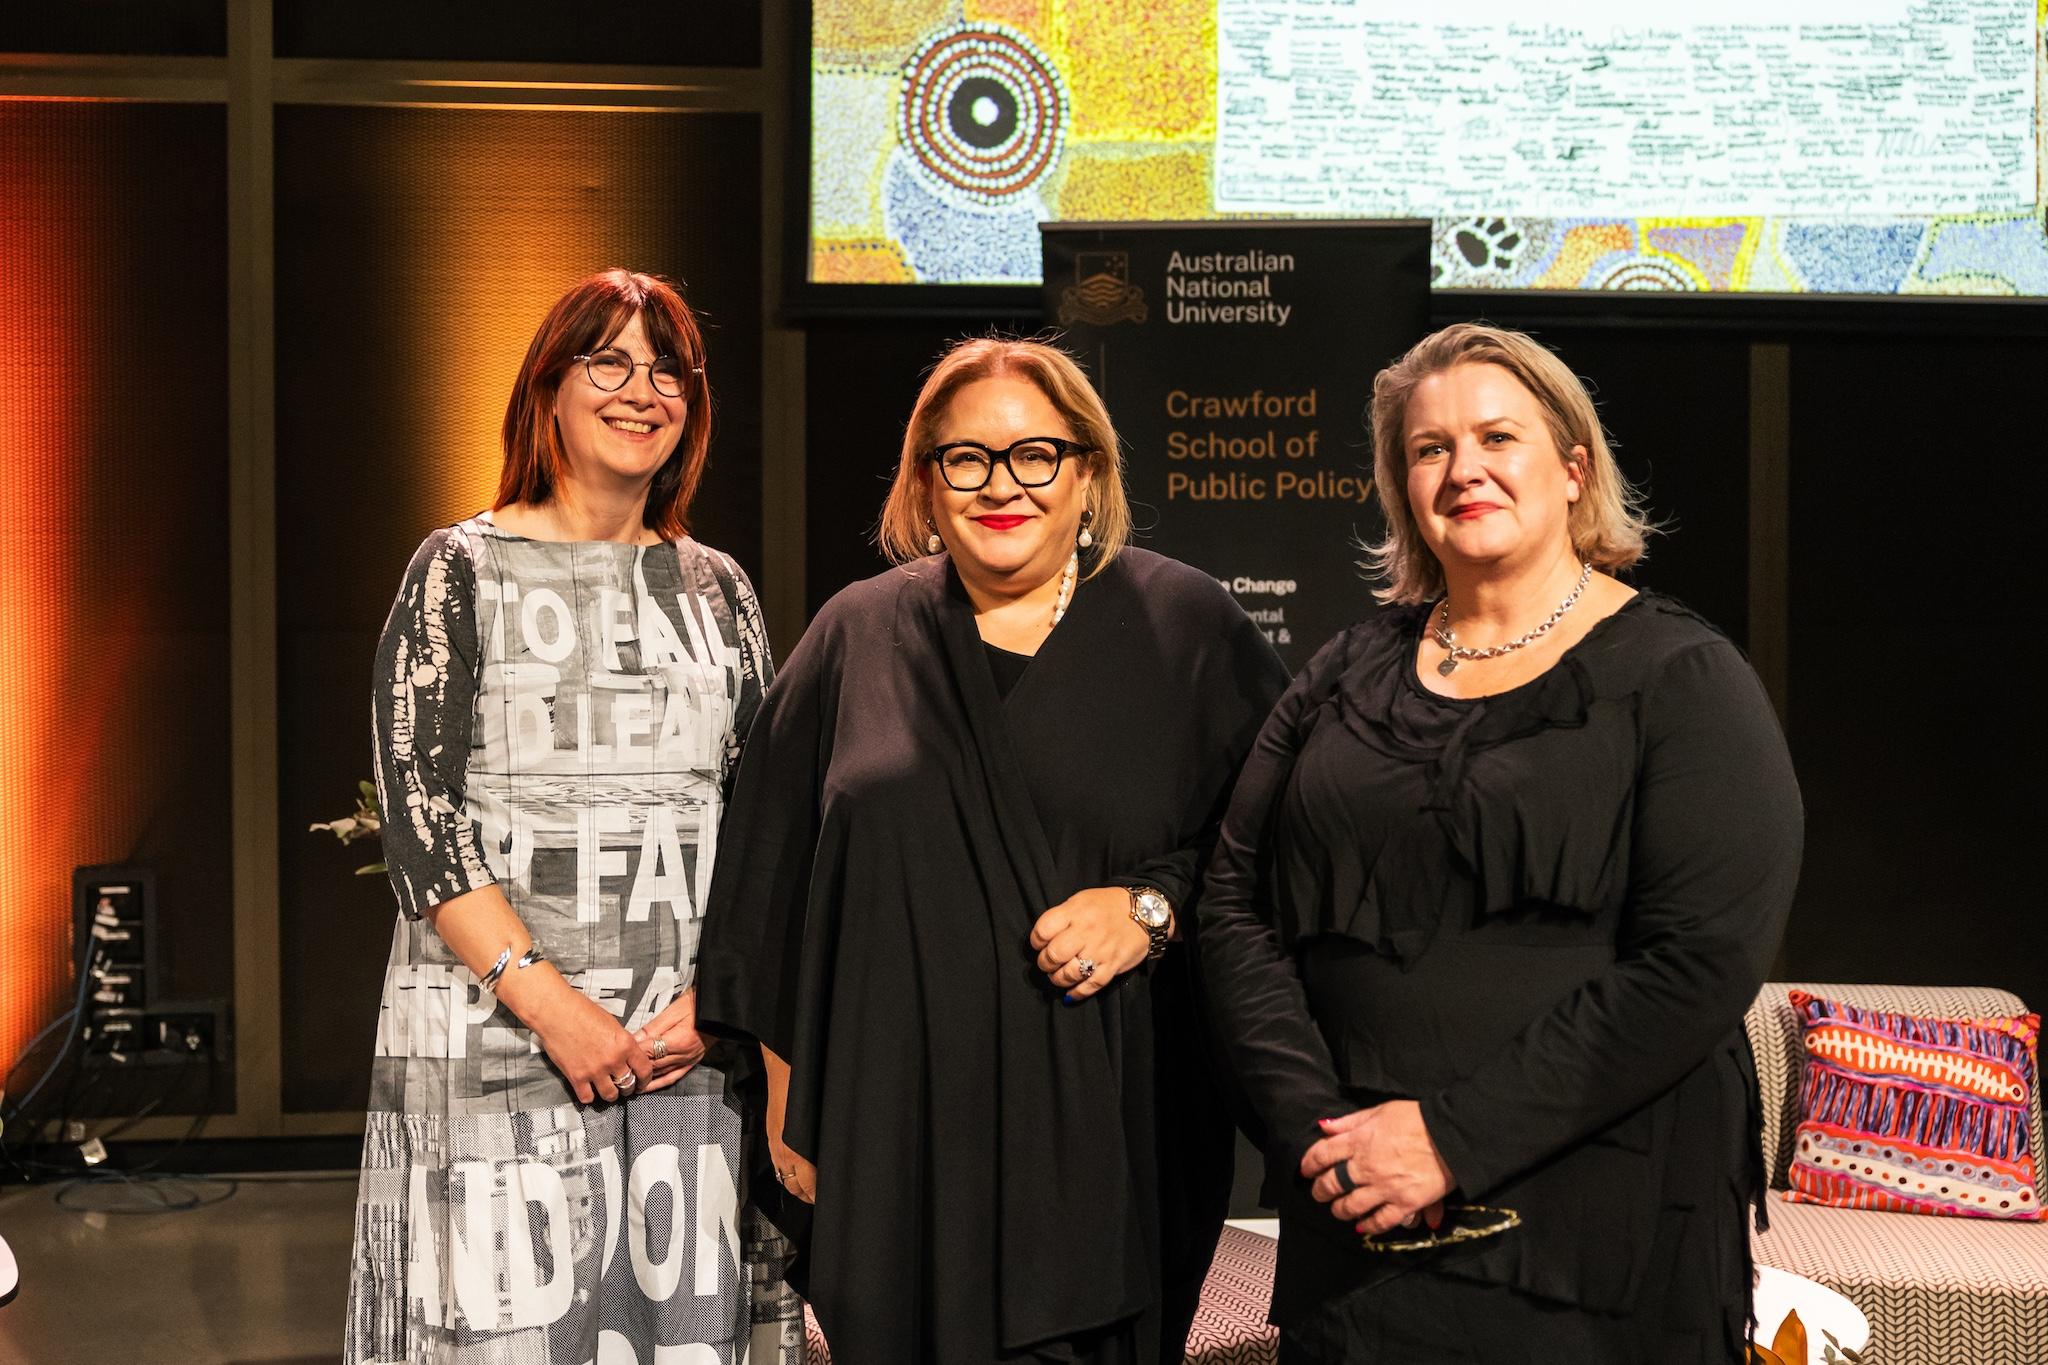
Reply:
x=986, y=1153
x=1541, y=914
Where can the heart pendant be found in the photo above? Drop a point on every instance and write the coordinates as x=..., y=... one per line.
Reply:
x=1448, y=666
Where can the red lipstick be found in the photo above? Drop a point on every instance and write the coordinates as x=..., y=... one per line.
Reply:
x=1002, y=523
x=1467, y=511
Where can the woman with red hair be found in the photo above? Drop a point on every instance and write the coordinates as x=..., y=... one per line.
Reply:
x=553, y=1166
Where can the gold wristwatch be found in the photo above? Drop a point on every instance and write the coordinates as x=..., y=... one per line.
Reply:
x=1152, y=912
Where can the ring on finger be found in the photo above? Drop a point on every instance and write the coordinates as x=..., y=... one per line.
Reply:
x=626, y=1082
x=659, y=1050
x=1087, y=966
x=1342, y=1170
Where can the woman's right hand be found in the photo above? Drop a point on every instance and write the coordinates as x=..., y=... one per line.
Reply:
x=798, y=1176
x=588, y=1045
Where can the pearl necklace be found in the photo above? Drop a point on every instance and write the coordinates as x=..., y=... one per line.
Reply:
x=1059, y=608
x=1455, y=652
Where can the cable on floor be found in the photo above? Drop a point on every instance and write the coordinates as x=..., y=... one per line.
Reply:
x=143, y=1194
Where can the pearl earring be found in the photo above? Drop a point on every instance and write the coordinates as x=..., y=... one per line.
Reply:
x=932, y=543
x=1087, y=537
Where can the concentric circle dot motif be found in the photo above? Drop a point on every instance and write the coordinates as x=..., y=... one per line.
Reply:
x=984, y=113
x=1643, y=273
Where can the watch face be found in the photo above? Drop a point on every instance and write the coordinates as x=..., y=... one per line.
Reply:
x=1152, y=908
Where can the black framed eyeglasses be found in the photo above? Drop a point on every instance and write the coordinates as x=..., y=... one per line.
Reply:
x=1033, y=462
x=610, y=369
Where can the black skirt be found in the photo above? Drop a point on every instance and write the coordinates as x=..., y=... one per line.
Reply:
x=1426, y=1317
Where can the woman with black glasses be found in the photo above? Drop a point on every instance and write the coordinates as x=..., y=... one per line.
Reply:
x=965, y=840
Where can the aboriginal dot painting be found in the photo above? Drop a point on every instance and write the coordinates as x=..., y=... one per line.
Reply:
x=1768, y=146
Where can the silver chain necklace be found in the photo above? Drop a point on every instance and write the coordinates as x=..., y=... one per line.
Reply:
x=1456, y=653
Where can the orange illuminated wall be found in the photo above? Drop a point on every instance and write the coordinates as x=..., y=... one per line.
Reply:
x=417, y=250
x=113, y=584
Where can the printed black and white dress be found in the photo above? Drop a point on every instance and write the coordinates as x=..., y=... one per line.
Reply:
x=558, y=718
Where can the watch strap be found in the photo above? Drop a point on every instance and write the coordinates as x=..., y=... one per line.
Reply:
x=1157, y=934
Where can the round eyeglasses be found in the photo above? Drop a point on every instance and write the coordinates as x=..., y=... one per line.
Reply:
x=609, y=371
x=1033, y=462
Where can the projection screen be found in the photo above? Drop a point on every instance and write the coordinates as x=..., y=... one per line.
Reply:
x=1886, y=147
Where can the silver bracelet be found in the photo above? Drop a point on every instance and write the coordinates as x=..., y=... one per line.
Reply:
x=490, y=978
x=532, y=955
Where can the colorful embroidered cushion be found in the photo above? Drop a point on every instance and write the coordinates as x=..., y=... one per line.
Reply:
x=1914, y=1115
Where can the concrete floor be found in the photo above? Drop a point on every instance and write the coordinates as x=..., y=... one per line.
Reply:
x=258, y=1279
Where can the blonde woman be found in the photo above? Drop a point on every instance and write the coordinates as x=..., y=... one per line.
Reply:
x=965, y=840
x=1503, y=871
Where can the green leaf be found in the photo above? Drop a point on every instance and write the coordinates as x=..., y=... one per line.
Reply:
x=370, y=870
x=368, y=789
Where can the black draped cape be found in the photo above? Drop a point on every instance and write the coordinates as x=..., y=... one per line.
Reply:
x=1541, y=914
x=986, y=1153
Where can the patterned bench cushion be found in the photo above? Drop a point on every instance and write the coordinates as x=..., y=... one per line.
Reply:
x=1230, y=1326
x=1937, y=1291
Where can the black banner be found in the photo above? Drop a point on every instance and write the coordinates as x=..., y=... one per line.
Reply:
x=1237, y=360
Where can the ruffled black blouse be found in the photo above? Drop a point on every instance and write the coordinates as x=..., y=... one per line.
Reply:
x=1541, y=914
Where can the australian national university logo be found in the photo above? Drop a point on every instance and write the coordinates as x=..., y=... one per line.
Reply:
x=1102, y=293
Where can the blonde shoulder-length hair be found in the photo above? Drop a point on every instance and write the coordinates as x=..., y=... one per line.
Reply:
x=906, y=521
x=1607, y=524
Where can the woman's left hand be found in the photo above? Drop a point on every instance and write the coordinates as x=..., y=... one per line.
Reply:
x=1092, y=926
x=676, y=1027
x=1391, y=1173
